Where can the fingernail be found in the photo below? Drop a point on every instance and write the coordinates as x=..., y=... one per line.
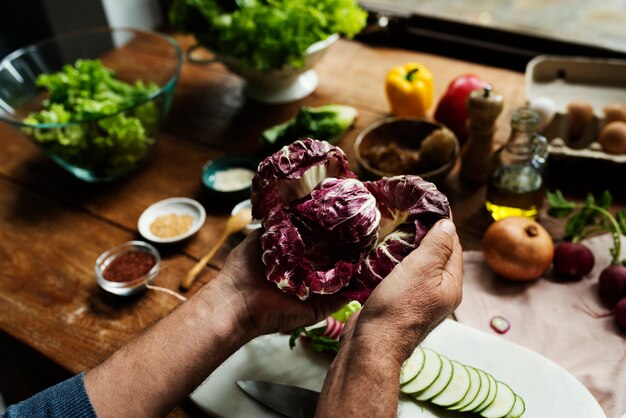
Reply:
x=447, y=226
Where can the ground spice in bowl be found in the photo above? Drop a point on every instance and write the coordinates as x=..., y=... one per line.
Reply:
x=129, y=266
x=171, y=225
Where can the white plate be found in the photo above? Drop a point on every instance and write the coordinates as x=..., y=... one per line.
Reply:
x=174, y=205
x=549, y=390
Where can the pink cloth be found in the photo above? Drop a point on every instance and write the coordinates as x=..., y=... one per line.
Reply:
x=548, y=317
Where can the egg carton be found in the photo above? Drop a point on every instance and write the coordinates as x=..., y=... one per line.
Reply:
x=565, y=80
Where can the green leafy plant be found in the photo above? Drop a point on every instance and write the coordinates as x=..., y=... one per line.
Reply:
x=326, y=123
x=266, y=34
x=101, y=128
x=588, y=218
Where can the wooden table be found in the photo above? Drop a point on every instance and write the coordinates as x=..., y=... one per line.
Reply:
x=54, y=319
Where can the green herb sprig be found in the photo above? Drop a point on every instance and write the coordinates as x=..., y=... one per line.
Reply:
x=591, y=217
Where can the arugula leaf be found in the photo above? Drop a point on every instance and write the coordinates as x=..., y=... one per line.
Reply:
x=559, y=206
x=620, y=216
x=605, y=200
x=592, y=217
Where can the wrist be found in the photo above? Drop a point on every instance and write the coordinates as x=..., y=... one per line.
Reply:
x=363, y=351
x=392, y=339
x=233, y=312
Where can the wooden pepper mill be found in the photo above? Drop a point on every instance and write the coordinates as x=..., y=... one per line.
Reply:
x=483, y=105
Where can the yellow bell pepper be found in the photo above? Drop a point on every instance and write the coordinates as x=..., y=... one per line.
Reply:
x=409, y=89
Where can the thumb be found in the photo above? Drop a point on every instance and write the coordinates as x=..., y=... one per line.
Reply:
x=436, y=247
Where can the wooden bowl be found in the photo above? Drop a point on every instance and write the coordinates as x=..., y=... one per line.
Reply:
x=406, y=133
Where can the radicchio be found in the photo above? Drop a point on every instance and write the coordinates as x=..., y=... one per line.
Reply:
x=326, y=231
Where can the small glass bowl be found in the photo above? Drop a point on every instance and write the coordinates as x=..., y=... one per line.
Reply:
x=131, y=287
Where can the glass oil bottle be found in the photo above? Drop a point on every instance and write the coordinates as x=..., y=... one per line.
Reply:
x=515, y=185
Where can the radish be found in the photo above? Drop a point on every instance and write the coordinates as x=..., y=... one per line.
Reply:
x=573, y=260
x=620, y=313
x=612, y=283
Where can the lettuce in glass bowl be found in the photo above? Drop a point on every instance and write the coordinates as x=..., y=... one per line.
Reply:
x=85, y=101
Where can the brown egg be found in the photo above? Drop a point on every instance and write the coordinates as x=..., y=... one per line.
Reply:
x=615, y=111
x=613, y=137
x=579, y=115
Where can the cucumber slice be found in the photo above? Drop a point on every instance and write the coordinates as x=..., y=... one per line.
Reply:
x=483, y=393
x=457, y=388
x=412, y=366
x=428, y=374
x=440, y=383
x=518, y=409
x=472, y=393
x=502, y=404
x=493, y=391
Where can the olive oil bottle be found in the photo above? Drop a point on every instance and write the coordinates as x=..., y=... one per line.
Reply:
x=516, y=185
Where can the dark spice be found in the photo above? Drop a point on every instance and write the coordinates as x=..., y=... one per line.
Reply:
x=129, y=266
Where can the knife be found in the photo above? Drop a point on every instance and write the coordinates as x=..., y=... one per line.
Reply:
x=291, y=401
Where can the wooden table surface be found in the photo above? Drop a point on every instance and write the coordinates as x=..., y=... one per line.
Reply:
x=53, y=226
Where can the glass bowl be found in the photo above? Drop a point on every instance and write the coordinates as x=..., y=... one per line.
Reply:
x=94, y=149
x=129, y=287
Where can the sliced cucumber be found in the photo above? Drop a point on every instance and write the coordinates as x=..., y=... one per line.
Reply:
x=518, y=409
x=428, y=374
x=457, y=388
x=502, y=404
x=472, y=393
x=493, y=391
x=412, y=366
x=483, y=393
x=439, y=384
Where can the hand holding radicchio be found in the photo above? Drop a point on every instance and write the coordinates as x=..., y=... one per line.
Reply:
x=328, y=232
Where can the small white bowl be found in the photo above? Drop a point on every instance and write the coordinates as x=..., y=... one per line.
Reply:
x=176, y=206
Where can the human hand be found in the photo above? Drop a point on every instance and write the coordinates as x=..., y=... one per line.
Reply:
x=264, y=308
x=415, y=297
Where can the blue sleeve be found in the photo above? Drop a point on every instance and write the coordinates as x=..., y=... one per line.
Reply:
x=67, y=399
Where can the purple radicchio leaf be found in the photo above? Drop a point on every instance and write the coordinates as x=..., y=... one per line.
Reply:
x=409, y=206
x=326, y=232
x=317, y=244
x=293, y=172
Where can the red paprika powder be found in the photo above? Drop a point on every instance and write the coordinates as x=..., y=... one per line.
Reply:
x=129, y=266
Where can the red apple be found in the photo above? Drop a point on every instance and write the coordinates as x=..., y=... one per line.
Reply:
x=452, y=109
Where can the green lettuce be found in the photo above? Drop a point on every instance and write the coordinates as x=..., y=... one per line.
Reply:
x=347, y=311
x=266, y=34
x=326, y=123
x=102, y=130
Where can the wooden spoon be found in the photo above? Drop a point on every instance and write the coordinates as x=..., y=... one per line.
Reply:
x=235, y=223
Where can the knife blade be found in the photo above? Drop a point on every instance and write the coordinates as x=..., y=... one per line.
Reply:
x=291, y=401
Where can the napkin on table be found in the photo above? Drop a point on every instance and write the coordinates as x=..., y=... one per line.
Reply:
x=548, y=316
